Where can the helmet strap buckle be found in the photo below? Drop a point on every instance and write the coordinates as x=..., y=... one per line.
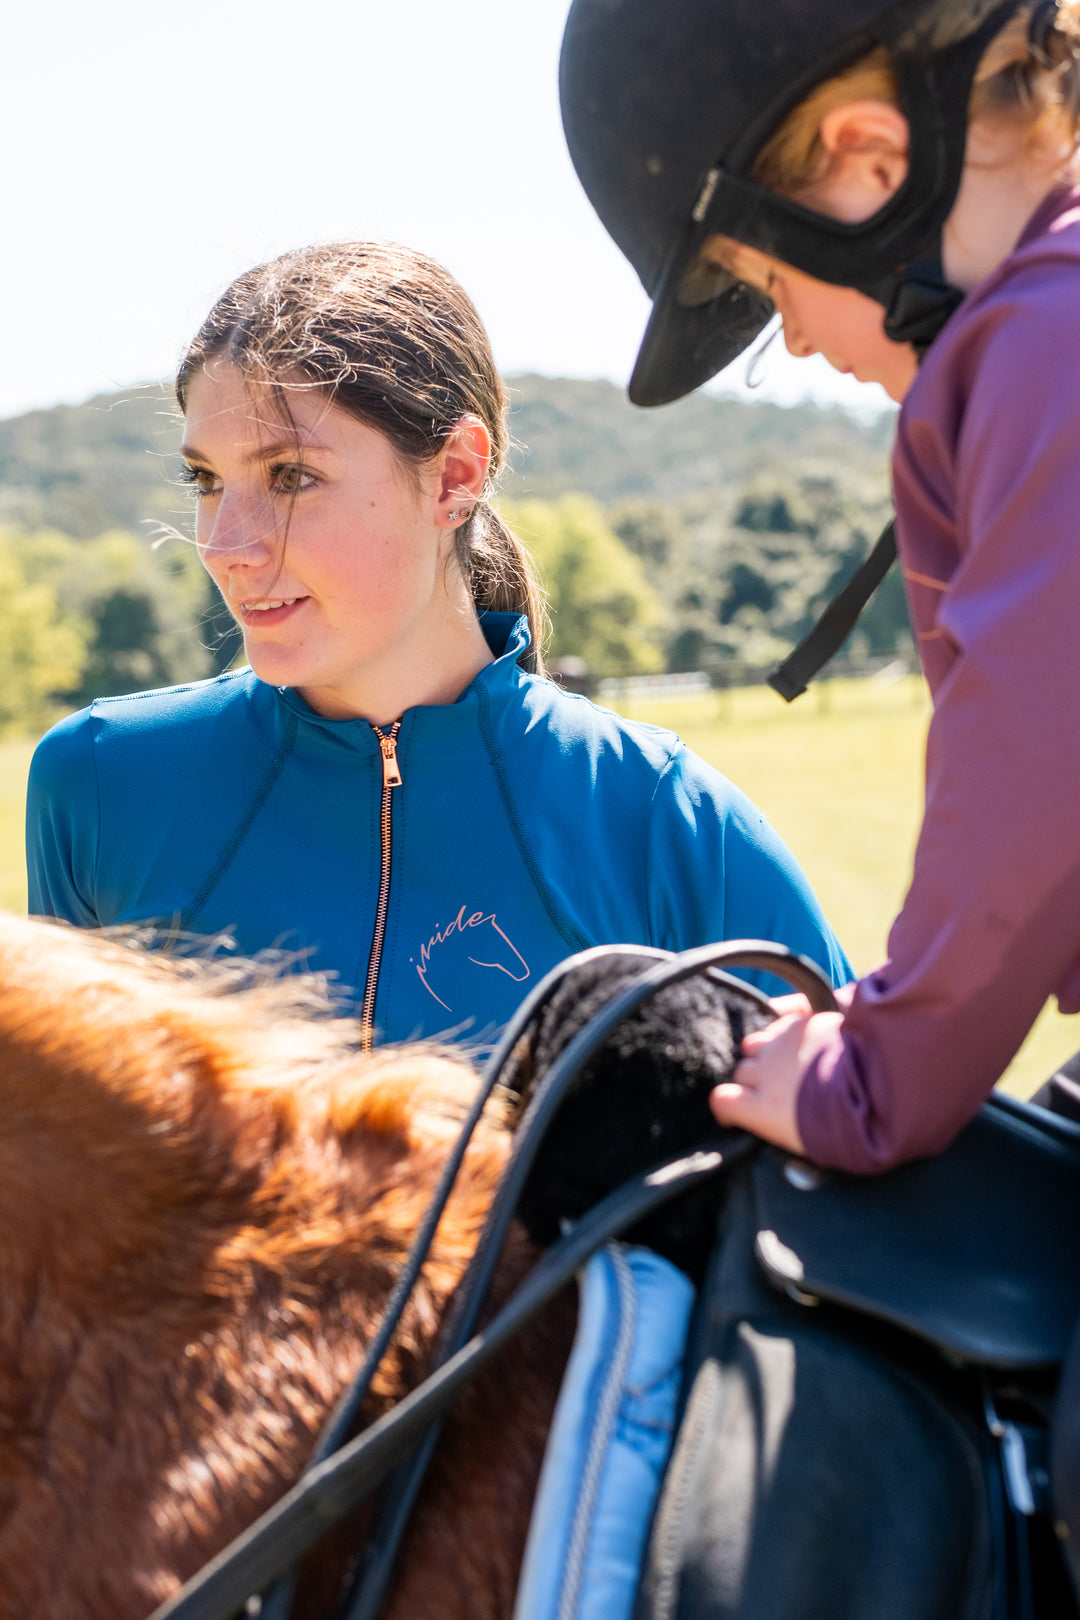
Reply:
x=921, y=303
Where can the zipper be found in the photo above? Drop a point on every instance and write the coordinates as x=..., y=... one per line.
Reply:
x=391, y=778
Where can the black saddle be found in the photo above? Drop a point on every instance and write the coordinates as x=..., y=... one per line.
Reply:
x=976, y=1251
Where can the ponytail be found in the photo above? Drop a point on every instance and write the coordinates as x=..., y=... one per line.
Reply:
x=502, y=576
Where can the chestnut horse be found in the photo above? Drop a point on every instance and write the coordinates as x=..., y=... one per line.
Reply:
x=204, y=1200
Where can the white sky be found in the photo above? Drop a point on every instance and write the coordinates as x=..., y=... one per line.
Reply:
x=153, y=150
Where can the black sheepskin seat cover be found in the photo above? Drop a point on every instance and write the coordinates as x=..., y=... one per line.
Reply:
x=643, y=1099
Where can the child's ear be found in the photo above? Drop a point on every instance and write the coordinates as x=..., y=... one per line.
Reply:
x=867, y=143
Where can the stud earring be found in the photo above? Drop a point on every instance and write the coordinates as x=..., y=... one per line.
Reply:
x=451, y=517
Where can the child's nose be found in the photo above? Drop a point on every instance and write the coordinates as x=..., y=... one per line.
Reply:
x=796, y=341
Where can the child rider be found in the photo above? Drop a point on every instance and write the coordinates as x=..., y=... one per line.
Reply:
x=897, y=181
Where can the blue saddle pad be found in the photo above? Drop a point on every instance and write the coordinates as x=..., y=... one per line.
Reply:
x=609, y=1441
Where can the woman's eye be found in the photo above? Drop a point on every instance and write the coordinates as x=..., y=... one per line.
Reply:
x=201, y=479
x=291, y=479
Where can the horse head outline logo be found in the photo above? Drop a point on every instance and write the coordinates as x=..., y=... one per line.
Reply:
x=471, y=937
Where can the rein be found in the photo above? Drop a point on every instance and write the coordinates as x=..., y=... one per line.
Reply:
x=341, y=1475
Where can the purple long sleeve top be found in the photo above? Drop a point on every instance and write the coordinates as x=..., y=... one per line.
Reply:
x=986, y=475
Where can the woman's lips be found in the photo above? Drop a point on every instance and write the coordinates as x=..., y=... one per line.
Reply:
x=274, y=611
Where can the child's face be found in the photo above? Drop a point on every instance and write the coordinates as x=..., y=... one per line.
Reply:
x=843, y=325
x=1006, y=175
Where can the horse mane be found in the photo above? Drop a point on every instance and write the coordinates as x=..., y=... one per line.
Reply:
x=205, y=1197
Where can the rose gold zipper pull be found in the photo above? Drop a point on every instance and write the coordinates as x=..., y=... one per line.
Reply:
x=391, y=774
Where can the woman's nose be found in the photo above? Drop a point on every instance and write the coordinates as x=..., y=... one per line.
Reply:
x=237, y=534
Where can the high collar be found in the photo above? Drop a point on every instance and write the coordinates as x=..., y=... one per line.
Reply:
x=1057, y=209
x=507, y=634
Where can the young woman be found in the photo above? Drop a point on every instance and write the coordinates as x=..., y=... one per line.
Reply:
x=897, y=180
x=392, y=789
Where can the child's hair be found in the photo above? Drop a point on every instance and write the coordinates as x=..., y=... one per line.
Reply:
x=390, y=337
x=1036, y=80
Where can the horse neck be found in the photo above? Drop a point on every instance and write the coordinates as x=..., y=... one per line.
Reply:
x=185, y=1290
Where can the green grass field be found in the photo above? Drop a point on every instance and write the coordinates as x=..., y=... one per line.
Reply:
x=838, y=773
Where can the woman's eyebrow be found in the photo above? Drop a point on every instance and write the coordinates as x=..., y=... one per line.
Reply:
x=262, y=452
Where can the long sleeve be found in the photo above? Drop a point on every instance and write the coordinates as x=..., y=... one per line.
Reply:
x=987, y=483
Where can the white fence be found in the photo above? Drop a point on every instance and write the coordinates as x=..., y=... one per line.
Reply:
x=884, y=670
x=655, y=685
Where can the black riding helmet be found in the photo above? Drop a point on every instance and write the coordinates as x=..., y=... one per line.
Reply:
x=666, y=104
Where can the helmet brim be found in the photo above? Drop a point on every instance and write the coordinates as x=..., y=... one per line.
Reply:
x=691, y=338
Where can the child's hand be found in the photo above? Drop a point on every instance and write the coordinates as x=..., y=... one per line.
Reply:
x=760, y=1097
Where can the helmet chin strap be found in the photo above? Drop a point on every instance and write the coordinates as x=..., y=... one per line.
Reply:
x=921, y=303
x=922, y=300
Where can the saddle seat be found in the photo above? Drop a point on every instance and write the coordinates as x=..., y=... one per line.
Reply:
x=974, y=1251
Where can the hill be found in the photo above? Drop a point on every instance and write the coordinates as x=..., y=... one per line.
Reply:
x=111, y=463
x=88, y=468
x=586, y=436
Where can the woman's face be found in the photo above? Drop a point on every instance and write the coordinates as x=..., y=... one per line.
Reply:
x=843, y=325
x=332, y=561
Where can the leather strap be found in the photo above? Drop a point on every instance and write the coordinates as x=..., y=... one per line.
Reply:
x=793, y=676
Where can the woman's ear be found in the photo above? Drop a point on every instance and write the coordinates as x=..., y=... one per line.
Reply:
x=867, y=146
x=463, y=469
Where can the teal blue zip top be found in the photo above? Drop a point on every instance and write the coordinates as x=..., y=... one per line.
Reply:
x=436, y=868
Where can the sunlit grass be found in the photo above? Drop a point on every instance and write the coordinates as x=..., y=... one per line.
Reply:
x=838, y=773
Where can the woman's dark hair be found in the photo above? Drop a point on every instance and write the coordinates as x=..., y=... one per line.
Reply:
x=389, y=336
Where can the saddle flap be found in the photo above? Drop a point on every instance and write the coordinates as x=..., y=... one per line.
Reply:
x=974, y=1250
